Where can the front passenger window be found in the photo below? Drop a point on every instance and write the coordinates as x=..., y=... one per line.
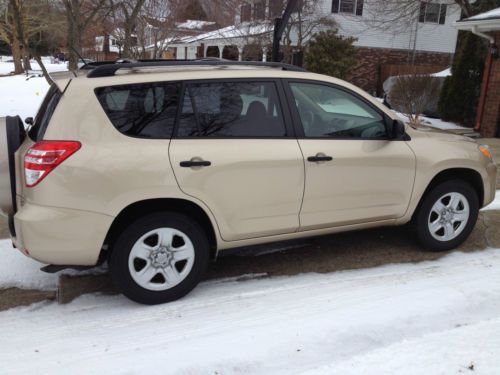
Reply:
x=328, y=112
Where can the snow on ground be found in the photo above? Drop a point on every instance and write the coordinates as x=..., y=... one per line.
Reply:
x=495, y=205
x=443, y=73
x=429, y=121
x=17, y=270
x=19, y=96
x=428, y=318
x=437, y=123
x=8, y=67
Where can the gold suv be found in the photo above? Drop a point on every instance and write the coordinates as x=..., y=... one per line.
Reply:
x=156, y=167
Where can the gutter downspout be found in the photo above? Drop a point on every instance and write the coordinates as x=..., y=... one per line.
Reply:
x=486, y=78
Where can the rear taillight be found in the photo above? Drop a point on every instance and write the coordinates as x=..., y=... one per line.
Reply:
x=45, y=156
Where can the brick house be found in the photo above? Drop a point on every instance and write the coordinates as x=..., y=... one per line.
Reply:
x=429, y=40
x=487, y=25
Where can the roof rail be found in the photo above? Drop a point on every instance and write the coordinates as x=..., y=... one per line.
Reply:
x=108, y=69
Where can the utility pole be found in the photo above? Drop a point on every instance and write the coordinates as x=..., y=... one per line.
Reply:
x=279, y=27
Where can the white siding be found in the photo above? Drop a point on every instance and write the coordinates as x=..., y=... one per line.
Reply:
x=430, y=37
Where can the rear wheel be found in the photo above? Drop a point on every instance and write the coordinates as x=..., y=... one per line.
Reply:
x=159, y=258
x=446, y=215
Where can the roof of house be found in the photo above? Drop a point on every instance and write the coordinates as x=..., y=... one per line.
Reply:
x=487, y=21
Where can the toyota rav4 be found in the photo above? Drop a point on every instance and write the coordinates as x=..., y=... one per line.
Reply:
x=156, y=167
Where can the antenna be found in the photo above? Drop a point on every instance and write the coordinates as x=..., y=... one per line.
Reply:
x=79, y=56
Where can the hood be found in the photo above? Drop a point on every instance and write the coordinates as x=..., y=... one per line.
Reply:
x=438, y=134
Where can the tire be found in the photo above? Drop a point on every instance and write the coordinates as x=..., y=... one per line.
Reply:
x=159, y=258
x=451, y=227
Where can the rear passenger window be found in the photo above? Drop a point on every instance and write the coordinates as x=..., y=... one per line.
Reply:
x=146, y=110
x=231, y=109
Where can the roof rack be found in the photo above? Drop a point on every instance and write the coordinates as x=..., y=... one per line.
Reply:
x=108, y=69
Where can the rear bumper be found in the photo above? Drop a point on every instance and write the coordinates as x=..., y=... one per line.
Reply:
x=60, y=236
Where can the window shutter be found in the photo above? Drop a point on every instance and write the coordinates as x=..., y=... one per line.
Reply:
x=335, y=6
x=359, y=8
x=442, y=14
x=421, y=17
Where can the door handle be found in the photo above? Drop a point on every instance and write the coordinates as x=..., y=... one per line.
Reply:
x=319, y=157
x=195, y=163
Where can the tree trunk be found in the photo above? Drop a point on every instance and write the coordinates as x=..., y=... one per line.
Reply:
x=16, y=56
x=74, y=44
x=17, y=12
x=44, y=70
x=75, y=30
x=26, y=58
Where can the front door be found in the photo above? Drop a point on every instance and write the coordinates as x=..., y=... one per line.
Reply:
x=233, y=151
x=354, y=173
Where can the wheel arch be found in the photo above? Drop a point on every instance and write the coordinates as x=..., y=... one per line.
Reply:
x=469, y=175
x=141, y=208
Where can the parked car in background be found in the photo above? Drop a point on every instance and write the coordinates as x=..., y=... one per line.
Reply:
x=157, y=167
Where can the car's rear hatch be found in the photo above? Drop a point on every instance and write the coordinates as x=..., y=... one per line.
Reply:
x=13, y=137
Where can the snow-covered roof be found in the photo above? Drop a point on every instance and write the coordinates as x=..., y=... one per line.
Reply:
x=494, y=13
x=194, y=24
x=241, y=30
x=161, y=43
x=483, y=22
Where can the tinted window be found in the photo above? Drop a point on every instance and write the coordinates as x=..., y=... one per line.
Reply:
x=45, y=113
x=329, y=112
x=146, y=110
x=231, y=109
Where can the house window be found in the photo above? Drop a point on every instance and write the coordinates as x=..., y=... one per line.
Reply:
x=432, y=13
x=246, y=13
x=275, y=8
x=348, y=6
x=259, y=11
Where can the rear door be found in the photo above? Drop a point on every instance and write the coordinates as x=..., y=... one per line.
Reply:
x=354, y=173
x=234, y=149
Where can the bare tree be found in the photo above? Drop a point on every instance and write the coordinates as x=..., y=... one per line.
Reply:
x=155, y=27
x=304, y=22
x=22, y=25
x=80, y=14
x=126, y=15
x=412, y=94
x=8, y=34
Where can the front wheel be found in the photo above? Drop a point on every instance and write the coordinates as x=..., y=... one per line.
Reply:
x=446, y=215
x=159, y=258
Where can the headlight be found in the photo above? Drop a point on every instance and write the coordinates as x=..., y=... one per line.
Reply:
x=485, y=150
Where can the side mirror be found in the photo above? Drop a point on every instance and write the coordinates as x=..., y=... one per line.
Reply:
x=28, y=121
x=398, y=130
